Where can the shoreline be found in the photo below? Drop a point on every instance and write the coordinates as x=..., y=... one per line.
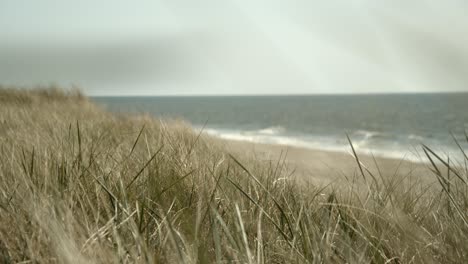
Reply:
x=411, y=153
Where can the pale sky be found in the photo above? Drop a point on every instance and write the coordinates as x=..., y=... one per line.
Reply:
x=178, y=47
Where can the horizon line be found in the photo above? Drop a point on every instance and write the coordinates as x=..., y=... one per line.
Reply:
x=276, y=95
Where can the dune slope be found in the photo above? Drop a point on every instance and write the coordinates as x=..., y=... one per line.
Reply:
x=81, y=185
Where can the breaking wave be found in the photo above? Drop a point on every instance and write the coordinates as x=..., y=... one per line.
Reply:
x=365, y=142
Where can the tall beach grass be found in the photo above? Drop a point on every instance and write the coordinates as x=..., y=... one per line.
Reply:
x=81, y=185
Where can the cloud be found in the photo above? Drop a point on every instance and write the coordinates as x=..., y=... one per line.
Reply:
x=209, y=47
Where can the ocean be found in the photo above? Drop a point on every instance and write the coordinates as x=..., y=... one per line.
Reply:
x=385, y=125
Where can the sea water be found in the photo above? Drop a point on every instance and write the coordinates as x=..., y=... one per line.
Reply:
x=386, y=125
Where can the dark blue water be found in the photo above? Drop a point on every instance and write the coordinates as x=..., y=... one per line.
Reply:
x=387, y=125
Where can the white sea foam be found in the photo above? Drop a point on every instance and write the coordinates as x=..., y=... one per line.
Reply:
x=415, y=137
x=366, y=134
x=274, y=130
x=390, y=149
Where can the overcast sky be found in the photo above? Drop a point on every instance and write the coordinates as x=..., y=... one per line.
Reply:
x=117, y=47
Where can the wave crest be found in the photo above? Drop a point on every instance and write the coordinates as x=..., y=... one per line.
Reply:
x=276, y=136
x=274, y=130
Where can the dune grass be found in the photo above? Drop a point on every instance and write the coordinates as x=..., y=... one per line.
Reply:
x=81, y=185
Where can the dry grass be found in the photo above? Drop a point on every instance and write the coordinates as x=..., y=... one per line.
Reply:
x=79, y=185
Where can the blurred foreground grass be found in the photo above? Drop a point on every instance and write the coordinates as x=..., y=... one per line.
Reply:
x=81, y=185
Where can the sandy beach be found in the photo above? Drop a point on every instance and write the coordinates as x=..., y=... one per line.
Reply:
x=323, y=167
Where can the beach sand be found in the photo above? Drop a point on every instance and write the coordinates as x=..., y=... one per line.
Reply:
x=324, y=167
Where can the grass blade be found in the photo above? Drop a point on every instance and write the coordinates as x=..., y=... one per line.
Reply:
x=143, y=168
